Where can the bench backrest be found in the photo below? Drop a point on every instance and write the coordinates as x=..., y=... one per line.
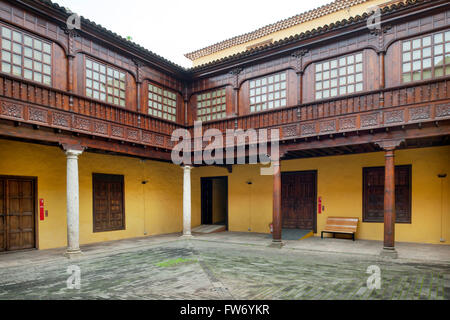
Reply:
x=342, y=223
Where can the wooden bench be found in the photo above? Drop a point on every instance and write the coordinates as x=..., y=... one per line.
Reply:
x=341, y=225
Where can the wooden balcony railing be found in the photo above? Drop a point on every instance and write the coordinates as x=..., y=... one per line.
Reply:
x=417, y=102
x=25, y=101
x=31, y=102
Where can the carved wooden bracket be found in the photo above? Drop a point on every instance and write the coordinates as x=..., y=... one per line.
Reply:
x=139, y=64
x=298, y=59
x=380, y=32
x=235, y=73
x=70, y=32
x=389, y=145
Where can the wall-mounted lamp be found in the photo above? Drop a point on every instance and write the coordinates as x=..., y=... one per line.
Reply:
x=249, y=182
x=144, y=182
x=442, y=175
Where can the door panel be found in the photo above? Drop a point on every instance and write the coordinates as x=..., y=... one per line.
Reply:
x=109, y=214
x=298, y=200
x=2, y=215
x=20, y=214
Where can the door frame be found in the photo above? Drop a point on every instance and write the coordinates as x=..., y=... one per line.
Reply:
x=35, y=212
x=224, y=178
x=315, y=172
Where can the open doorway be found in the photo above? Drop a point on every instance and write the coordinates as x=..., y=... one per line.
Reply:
x=214, y=193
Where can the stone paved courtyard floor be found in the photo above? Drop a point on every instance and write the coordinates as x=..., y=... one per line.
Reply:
x=172, y=268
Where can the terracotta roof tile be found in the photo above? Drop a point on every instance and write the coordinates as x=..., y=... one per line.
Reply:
x=326, y=9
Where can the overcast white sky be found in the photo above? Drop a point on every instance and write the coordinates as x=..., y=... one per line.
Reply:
x=172, y=28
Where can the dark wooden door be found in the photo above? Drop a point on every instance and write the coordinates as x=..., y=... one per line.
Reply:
x=17, y=214
x=2, y=215
x=207, y=199
x=108, y=203
x=298, y=200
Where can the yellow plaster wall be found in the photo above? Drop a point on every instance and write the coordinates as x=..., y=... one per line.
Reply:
x=340, y=186
x=153, y=208
x=156, y=207
x=309, y=25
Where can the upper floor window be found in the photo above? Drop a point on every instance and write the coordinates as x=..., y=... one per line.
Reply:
x=105, y=83
x=339, y=76
x=162, y=103
x=212, y=105
x=25, y=56
x=426, y=57
x=268, y=92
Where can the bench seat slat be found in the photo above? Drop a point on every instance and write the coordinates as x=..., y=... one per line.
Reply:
x=347, y=225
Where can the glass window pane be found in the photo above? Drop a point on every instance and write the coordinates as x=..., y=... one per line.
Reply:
x=6, y=67
x=6, y=56
x=6, y=33
x=6, y=44
x=438, y=38
x=406, y=45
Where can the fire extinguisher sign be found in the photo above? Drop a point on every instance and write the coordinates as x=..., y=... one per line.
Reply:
x=319, y=205
x=41, y=209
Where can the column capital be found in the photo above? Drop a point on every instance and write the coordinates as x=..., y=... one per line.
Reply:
x=73, y=150
x=187, y=167
x=389, y=145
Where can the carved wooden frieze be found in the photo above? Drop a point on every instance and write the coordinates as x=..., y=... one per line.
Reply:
x=170, y=143
x=308, y=129
x=369, y=120
x=442, y=110
x=61, y=120
x=12, y=110
x=81, y=123
x=347, y=123
x=132, y=134
x=101, y=128
x=159, y=140
x=419, y=113
x=117, y=131
x=290, y=131
x=146, y=137
x=396, y=116
x=37, y=114
x=327, y=126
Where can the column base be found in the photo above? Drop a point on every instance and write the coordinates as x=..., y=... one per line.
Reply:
x=187, y=236
x=73, y=254
x=278, y=244
x=389, y=253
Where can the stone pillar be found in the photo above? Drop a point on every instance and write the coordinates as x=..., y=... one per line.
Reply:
x=277, y=202
x=187, y=201
x=73, y=205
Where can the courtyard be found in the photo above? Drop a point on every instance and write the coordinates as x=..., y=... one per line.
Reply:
x=227, y=266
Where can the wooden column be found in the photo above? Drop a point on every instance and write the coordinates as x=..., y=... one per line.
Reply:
x=277, y=201
x=389, y=200
x=389, y=147
x=381, y=56
x=139, y=66
x=72, y=34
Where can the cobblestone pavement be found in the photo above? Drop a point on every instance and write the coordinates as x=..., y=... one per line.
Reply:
x=190, y=269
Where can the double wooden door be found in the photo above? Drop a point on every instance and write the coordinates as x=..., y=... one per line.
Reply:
x=17, y=213
x=298, y=200
x=108, y=194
